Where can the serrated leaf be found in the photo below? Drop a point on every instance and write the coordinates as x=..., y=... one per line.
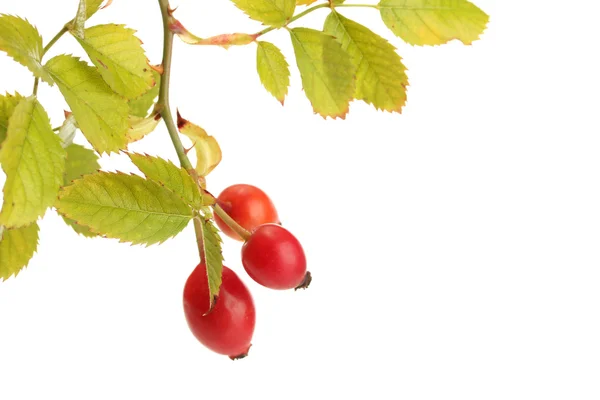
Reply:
x=433, y=22
x=212, y=256
x=80, y=161
x=8, y=103
x=327, y=72
x=120, y=59
x=208, y=151
x=125, y=207
x=273, y=70
x=270, y=12
x=34, y=162
x=17, y=247
x=22, y=41
x=91, y=6
x=140, y=127
x=102, y=115
x=139, y=106
x=176, y=179
x=304, y=2
x=380, y=77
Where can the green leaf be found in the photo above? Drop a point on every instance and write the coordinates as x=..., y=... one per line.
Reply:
x=213, y=256
x=140, y=127
x=270, y=12
x=8, y=103
x=304, y=2
x=433, y=22
x=208, y=151
x=80, y=161
x=34, y=162
x=22, y=41
x=91, y=6
x=120, y=59
x=102, y=115
x=124, y=207
x=176, y=179
x=327, y=72
x=17, y=247
x=140, y=106
x=273, y=70
x=380, y=78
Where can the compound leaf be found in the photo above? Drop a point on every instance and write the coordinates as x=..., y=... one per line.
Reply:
x=34, y=162
x=380, y=78
x=22, y=41
x=176, y=179
x=327, y=71
x=120, y=59
x=102, y=115
x=273, y=70
x=124, y=207
x=17, y=247
x=433, y=22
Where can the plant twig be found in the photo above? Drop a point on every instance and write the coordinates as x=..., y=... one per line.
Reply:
x=51, y=43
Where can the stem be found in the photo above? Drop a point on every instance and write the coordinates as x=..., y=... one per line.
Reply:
x=357, y=5
x=64, y=30
x=294, y=18
x=163, y=106
x=237, y=228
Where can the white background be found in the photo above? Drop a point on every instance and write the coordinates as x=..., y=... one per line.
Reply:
x=454, y=247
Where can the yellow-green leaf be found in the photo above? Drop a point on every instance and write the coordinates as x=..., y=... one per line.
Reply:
x=433, y=22
x=91, y=6
x=8, y=103
x=273, y=70
x=102, y=115
x=67, y=130
x=17, y=247
x=327, y=72
x=120, y=59
x=124, y=207
x=140, y=127
x=34, y=162
x=380, y=79
x=213, y=256
x=208, y=151
x=80, y=161
x=140, y=106
x=304, y=2
x=270, y=12
x=176, y=179
x=22, y=41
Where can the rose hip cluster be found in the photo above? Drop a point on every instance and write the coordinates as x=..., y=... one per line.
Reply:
x=271, y=256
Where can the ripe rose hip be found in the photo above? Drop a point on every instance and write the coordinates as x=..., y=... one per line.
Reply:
x=248, y=206
x=227, y=329
x=273, y=257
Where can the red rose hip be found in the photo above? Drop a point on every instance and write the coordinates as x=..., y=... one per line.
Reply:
x=248, y=206
x=273, y=257
x=227, y=329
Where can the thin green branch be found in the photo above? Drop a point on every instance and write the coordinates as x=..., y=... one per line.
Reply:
x=163, y=105
x=237, y=228
x=294, y=18
x=51, y=43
